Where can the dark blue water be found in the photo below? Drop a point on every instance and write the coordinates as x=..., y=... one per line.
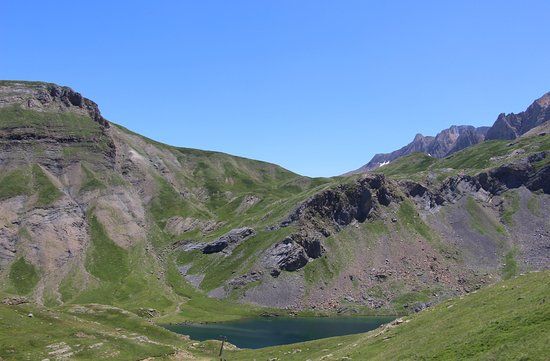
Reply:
x=262, y=332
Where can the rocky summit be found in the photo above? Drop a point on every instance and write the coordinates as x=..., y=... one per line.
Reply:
x=456, y=138
x=92, y=213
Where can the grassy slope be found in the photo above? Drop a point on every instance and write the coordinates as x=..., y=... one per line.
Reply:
x=506, y=321
x=470, y=160
x=89, y=332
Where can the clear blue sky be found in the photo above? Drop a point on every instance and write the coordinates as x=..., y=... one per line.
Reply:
x=315, y=86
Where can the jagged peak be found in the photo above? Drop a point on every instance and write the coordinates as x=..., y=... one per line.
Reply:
x=543, y=101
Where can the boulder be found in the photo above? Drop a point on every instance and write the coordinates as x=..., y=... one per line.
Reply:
x=287, y=255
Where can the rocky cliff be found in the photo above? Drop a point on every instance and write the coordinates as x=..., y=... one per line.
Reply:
x=511, y=126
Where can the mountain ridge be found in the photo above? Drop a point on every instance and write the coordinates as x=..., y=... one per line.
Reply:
x=446, y=142
x=456, y=138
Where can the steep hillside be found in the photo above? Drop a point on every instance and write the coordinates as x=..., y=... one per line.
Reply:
x=90, y=211
x=93, y=213
x=507, y=321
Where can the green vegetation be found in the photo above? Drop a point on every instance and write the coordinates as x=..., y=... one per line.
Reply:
x=169, y=203
x=200, y=308
x=23, y=276
x=71, y=285
x=105, y=259
x=510, y=268
x=68, y=123
x=506, y=321
x=45, y=189
x=24, y=182
x=481, y=222
x=15, y=183
x=91, y=182
x=127, y=278
x=411, y=298
x=410, y=165
x=410, y=217
x=89, y=332
x=470, y=160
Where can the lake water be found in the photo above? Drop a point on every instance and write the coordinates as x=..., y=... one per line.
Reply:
x=265, y=331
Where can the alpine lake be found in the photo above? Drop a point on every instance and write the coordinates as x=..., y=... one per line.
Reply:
x=261, y=332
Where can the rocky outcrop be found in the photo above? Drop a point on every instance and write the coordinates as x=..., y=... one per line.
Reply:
x=470, y=136
x=324, y=213
x=286, y=255
x=515, y=175
x=511, y=126
x=225, y=243
x=341, y=205
x=48, y=97
x=446, y=142
x=228, y=241
x=291, y=254
x=53, y=126
x=484, y=185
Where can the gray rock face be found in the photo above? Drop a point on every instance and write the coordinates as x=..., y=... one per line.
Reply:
x=469, y=137
x=286, y=255
x=293, y=253
x=341, y=205
x=483, y=185
x=228, y=241
x=513, y=125
x=225, y=243
x=446, y=142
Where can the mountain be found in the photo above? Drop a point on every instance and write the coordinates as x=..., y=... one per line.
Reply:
x=443, y=144
x=91, y=212
x=511, y=126
x=456, y=138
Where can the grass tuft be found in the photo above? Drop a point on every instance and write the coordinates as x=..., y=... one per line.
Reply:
x=23, y=276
